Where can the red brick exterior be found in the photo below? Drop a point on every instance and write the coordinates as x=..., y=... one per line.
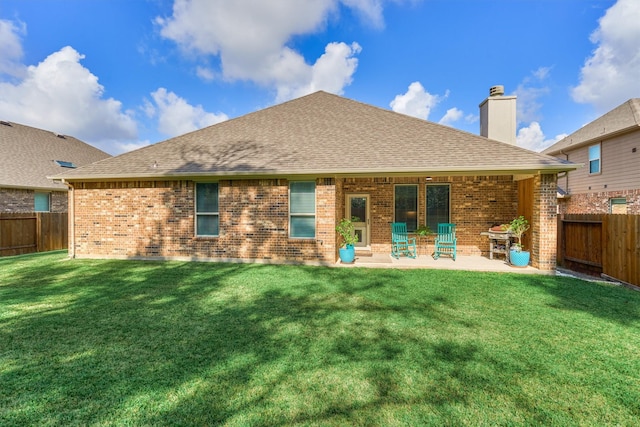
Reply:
x=544, y=224
x=155, y=219
x=477, y=203
x=595, y=203
x=23, y=201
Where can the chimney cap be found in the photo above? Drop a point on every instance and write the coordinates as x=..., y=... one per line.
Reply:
x=496, y=90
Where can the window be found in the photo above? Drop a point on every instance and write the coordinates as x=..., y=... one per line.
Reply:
x=438, y=205
x=594, y=159
x=207, y=214
x=302, y=209
x=618, y=205
x=406, y=205
x=42, y=202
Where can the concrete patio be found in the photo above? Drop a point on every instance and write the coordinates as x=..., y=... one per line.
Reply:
x=468, y=263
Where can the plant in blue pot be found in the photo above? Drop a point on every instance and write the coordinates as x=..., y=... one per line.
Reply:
x=518, y=256
x=349, y=238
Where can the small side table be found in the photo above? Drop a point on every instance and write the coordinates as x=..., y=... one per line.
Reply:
x=499, y=243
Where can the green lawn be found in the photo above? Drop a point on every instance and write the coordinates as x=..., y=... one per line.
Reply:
x=87, y=342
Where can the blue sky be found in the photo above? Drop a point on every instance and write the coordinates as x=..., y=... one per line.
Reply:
x=121, y=74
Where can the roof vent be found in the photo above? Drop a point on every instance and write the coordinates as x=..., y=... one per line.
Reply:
x=496, y=90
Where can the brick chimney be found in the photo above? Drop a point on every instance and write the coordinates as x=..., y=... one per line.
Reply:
x=498, y=116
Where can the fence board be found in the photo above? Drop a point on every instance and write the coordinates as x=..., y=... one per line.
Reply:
x=23, y=233
x=623, y=248
x=606, y=244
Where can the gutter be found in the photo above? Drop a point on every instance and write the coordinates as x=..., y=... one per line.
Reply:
x=364, y=172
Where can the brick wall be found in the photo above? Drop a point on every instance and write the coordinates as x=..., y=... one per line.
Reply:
x=593, y=203
x=59, y=201
x=22, y=201
x=156, y=219
x=544, y=225
x=477, y=203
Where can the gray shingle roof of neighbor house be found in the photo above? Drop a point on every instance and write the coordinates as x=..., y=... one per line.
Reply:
x=28, y=155
x=623, y=118
x=320, y=134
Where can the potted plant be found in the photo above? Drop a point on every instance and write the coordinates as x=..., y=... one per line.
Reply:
x=423, y=232
x=349, y=238
x=519, y=257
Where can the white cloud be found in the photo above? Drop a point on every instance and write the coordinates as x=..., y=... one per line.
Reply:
x=205, y=73
x=371, y=11
x=331, y=72
x=176, y=116
x=61, y=95
x=529, y=92
x=452, y=115
x=251, y=38
x=123, y=147
x=611, y=75
x=532, y=138
x=11, y=48
x=416, y=102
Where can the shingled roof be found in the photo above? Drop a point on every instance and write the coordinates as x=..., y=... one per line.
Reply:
x=321, y=135
x=29, y=155
x=622, y=119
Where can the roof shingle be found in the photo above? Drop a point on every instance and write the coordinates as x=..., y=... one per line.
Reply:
x=29, y=155
x=624, y=117
x=320, y=134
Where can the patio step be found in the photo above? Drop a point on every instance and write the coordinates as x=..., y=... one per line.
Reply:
x=363, y=252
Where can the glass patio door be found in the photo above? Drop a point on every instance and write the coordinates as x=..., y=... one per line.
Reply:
x=357, y=207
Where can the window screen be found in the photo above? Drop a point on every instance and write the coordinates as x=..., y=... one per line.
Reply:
x=207, y=213
x=42, y=202
x=302, y=209
x=594, y=159
x=406, y=205
x=438, y=205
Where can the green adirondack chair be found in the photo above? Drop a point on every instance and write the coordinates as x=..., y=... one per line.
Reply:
x=446, y=241
x=401, y=243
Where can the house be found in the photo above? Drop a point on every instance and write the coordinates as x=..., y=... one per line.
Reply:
x=271, y=186
x=29, y=155
x=609, y=146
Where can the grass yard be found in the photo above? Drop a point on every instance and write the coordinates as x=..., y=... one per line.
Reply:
x=101, y=343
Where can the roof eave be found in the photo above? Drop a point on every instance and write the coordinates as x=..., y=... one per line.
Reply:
x=507, y=170
x=571, y=147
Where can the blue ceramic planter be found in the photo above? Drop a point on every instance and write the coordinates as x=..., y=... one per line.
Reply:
x=347, y=254
x=519, y=259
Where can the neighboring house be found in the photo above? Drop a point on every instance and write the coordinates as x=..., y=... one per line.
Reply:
x=28, y=156
x=271, y=186
x=610, y=149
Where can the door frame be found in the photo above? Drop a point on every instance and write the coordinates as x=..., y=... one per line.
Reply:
x=365, y=226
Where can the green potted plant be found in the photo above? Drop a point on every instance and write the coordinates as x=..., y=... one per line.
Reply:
x=423, y=232
x=518, y=256
x=349, y=238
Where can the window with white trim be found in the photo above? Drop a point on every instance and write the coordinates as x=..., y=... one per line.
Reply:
x=42, y=202
x=406, y=205
x=438, y=205
x=207, y=211
x=594, y=159
x=618, y=205
x=302, y=209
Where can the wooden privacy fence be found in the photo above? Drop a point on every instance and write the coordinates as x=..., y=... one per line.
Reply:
x=601, y=244
x=23, y=233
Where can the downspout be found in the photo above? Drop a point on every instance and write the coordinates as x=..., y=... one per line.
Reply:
x=566, y=157
x=72, y=220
